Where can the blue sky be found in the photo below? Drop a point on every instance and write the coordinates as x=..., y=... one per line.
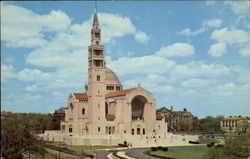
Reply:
x=192, y=54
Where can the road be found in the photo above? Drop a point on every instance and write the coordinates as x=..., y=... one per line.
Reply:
x=136, y=153
x=102, y=154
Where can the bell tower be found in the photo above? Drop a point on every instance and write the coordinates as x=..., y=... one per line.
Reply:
x=96, y=84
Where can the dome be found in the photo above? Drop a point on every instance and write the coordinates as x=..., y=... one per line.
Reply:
x=110, y=77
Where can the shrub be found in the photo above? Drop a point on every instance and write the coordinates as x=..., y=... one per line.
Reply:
x=210, y=145
x=123, y=145
x=159, y=148
x=165, y=149
x=153, y=149
x=91, y=156
x=193, y=142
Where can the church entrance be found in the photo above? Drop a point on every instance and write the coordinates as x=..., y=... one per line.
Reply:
x=138, y=103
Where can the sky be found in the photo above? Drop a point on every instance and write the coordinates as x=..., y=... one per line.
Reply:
x=188, y=54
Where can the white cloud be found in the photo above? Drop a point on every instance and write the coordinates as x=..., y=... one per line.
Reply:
x=227, y=36
x=33, y=75
x=112, y=28
x=31, y=88
x=195, y=83
x=29, y=29
x=176, y=49
x=230, y=36
x=209, y=2
x=217, y=49
x=141, y=65
x=21, y=27
x=213, y=23
x=141, y=37
x=239, y=7
x=7, y=72
x=244, y=74
x=188, y=32
x=198, y=69
x=245, y=52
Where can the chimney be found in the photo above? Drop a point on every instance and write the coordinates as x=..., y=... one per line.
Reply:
x=172, y=108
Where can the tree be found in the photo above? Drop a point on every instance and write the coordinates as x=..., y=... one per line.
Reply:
x=211, y=124
x=243, y=126
x=195, y=124
x=184, y=125
x=15, y=137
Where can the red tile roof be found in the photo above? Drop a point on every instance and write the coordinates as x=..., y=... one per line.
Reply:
x=7, y=114
x=81, y=95
x=119, y=93
x=108, y=95
x=159, y=116
x=110, y=116
x=237, y=118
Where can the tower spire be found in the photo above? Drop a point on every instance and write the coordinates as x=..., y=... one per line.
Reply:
x=95, y=21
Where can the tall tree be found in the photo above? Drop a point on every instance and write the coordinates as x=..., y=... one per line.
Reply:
x=15, y=137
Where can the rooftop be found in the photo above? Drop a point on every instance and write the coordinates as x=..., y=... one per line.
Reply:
x=108, y=95
x=237, y=118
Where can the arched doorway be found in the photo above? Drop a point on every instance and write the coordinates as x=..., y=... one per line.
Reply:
x=138, y=103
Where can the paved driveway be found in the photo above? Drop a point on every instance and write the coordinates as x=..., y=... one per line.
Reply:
x=102, y=154
x=136, y=153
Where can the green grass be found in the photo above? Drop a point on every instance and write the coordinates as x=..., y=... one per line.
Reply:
x=208, y=141
x=182, y=152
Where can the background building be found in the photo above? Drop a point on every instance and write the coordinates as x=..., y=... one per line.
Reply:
x=235, y=124
x=177, y=120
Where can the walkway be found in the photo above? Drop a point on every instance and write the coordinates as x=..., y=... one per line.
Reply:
x=136, y=153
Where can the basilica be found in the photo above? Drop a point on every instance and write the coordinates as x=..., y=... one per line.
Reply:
x=105, y=113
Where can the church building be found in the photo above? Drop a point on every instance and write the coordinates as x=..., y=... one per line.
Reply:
x=107, y=114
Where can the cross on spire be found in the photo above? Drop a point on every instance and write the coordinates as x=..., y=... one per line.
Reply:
x=95, y=9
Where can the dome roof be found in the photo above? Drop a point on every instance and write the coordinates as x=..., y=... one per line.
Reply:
x=110, y=77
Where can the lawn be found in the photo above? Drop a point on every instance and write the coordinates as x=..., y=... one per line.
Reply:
x=182, y=152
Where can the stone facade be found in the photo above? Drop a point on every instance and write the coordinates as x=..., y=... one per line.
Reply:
x=235, y=124
x=174, y=118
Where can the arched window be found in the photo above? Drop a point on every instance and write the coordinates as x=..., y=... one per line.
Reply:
x=138, y=131
x=70, y=129
x=83, y=111
x=113, y=130
x=107, y=130
x=106, y=109
x=133, y=131
x=98, y=77
x=138, y=104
